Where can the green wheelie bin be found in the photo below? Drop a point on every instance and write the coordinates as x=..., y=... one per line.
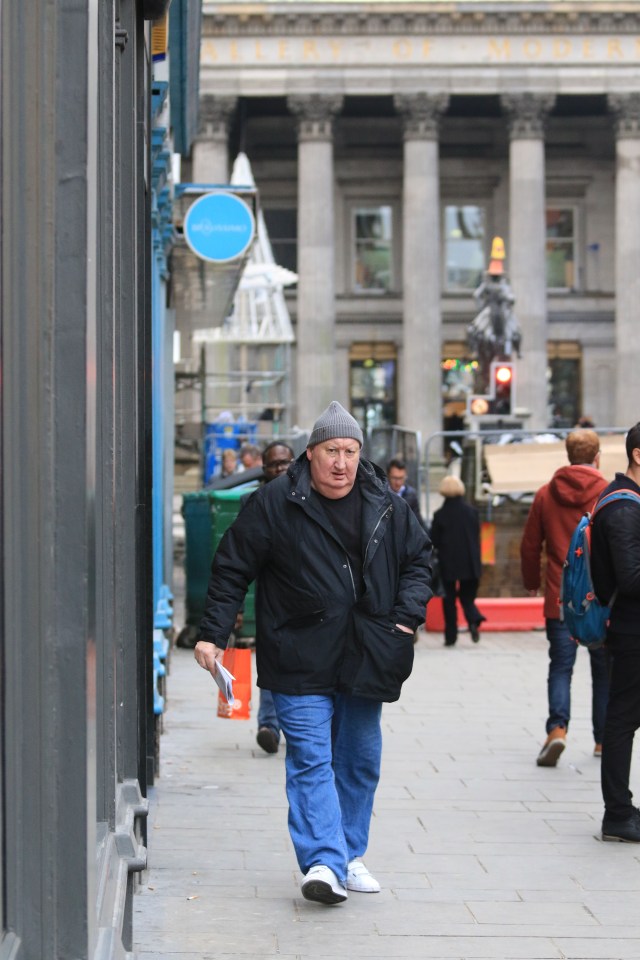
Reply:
x=207, y=514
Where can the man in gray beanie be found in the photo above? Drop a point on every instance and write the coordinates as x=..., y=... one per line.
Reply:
x=335, y=422
x=343, y=576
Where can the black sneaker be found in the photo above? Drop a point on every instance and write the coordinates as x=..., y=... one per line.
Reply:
x=624, y=831
x=268, y=739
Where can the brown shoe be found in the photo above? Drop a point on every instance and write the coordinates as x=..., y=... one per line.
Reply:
x=553, y=747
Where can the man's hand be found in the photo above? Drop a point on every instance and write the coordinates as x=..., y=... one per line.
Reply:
x=404, y=629
x=206, y=654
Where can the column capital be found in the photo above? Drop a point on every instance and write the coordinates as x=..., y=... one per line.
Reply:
x=626, y=109
x=315, y=114
x=421, y=113
x=527, y=113
x=215, y=115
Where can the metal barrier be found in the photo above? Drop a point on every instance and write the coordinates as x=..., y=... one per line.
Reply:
x=493, y=434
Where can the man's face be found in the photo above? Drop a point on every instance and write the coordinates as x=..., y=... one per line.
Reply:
x=397, y=479
x=333, y=465
x=275, y=462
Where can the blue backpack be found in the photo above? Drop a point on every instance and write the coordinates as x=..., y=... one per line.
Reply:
x=585, y=617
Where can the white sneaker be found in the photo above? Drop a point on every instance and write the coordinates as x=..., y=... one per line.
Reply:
x=322, y=885
x=360, y=880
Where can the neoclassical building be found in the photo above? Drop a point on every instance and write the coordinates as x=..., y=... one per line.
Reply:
x=390, y=142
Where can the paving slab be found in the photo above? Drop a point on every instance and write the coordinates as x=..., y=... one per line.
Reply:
x=480, y=853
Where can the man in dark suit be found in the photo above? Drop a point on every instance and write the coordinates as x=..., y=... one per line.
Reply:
x=397, y=478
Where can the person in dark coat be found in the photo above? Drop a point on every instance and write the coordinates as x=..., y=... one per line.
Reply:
x=455, y=534
x=397, y=477
x=615, y=566
x=343, y=579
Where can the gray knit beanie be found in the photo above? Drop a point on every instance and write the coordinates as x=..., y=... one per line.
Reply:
x=335, y=422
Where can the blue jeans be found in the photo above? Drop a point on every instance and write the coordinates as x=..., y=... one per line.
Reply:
x=562, y=657
x=334, y=746
x=267, y=712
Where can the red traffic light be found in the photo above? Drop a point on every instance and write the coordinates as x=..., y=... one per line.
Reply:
x=504, y=374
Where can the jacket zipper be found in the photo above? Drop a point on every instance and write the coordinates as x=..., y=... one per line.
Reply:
x=353, y=583
x=382, y=517
x=385, y=514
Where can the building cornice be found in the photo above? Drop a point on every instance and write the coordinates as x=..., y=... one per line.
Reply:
x=381, y=19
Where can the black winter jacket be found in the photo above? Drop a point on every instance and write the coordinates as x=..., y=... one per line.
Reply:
x=615, y=563
x=313, y=635
x=455, y=533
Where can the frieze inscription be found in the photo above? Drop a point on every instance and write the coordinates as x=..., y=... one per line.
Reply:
x=445, y=50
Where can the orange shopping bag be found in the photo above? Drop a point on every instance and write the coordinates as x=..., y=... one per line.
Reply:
x=238, y=662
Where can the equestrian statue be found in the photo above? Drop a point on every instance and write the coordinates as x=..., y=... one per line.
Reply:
x=494, y=333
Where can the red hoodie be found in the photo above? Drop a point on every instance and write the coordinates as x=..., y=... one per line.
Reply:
x=553, y=517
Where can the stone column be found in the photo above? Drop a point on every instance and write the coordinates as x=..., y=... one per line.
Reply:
x=626, y=109
x=315, y=334
x=420, y=387
x=211, y=148
x=526, y=264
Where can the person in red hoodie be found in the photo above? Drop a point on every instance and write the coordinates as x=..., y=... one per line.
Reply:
x=554, y=515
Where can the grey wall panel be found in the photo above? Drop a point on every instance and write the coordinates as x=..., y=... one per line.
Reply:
x=76, y=630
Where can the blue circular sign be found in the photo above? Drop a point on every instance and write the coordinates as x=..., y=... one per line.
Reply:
x=219, y=227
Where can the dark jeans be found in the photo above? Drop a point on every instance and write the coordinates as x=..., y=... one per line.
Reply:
x=623, y=719
x=562, y=657
x=466, y=590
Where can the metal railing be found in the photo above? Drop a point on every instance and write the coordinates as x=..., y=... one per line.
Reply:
x=493, y=435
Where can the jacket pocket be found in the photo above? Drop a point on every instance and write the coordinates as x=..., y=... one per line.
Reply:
x=387, y=659
x=310, y=646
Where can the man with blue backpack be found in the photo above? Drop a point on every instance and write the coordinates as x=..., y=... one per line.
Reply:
x=555, y=512
x=615, y=567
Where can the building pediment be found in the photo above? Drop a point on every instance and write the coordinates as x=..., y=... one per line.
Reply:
x=516, y=18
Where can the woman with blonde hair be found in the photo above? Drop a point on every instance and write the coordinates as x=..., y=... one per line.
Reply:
x=455, y=533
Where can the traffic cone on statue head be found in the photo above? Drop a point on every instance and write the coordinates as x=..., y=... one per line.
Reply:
x=496, y=264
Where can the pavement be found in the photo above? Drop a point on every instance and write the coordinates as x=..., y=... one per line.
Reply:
x=480, y=853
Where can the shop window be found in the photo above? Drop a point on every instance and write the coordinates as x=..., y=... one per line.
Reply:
x=373, y=249
x=282, y=227
x=564, y=379
x=560, y=248
x=464, y=253
x=373, y=384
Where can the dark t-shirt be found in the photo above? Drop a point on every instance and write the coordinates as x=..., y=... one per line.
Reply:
x=345, y=517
